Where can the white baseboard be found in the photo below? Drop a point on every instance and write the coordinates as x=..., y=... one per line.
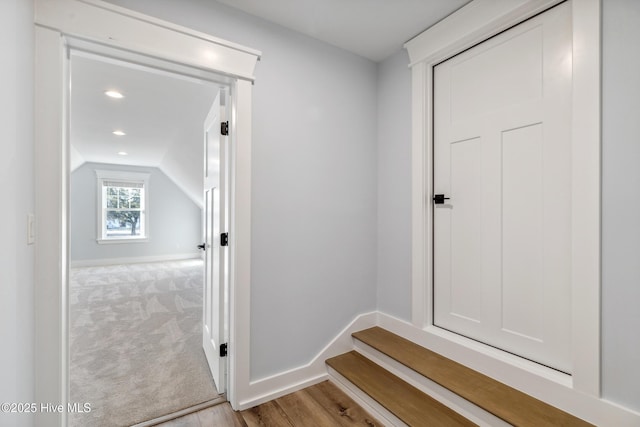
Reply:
x=543, y=387
x=132, y=260
x=266, y=389
x=547, y=389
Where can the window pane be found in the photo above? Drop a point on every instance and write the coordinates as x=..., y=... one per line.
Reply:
x=123, y=211
x=134, y=201
x=123, y=224
x=112, y=197
x=124, y=197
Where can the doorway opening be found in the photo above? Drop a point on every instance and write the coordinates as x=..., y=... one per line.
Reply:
x=136, y=216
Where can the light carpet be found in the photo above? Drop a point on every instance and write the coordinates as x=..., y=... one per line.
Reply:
x=136, y=342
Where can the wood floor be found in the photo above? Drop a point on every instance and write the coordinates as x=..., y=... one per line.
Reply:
x=321, y=405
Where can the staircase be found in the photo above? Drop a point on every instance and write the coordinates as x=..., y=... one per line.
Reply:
x=473, y=398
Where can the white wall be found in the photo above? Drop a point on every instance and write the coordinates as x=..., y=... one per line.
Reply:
x=621, y=203
x=394, y=186
x=174, y=219
x=16, y=175
x=314, y=183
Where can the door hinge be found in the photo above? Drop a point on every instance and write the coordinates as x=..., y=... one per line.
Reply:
x=224, y=239
x=224, y=128
x=223, y=350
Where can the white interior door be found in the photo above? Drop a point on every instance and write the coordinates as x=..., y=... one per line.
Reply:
x=215, y=331
x=502, y=155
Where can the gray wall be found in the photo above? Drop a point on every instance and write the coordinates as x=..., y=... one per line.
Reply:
x=621, y=203
x=314, y=183
x=394, y=186
x=174, y=219
x=17, y=177
x=286, y=95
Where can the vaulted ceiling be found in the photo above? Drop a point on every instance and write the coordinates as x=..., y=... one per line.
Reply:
x=162, y=115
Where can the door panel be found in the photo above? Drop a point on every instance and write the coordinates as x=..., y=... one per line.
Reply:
x=502, y=154
x=466, y=239
x=215, y=193
x=522, y=201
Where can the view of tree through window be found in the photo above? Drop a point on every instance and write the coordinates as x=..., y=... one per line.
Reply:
x=123, y=211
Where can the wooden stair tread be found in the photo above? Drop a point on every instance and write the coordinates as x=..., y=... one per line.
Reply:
x=513, y=406
x=409, y=404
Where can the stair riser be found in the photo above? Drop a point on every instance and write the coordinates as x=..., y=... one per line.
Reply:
x=441, y=394
x=364, y=400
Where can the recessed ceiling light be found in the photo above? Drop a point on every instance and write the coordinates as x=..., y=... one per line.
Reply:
x=122, y=153
x=114, y=94
x=118, y=133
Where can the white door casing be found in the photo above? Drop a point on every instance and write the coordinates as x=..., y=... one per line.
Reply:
x=502, y=154
x=105, y=29
x=216, y=190
x=470, y=25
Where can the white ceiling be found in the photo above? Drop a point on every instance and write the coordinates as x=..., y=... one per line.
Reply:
x=157, y=111
x=374, y=29
x=161, y=114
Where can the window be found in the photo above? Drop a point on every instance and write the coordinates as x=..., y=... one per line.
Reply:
x=122, y=206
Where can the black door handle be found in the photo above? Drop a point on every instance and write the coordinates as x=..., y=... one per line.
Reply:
x=439, y=199
x=202, y=247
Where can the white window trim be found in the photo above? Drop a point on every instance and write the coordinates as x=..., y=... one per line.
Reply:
x=124, y=176
x=470, y=25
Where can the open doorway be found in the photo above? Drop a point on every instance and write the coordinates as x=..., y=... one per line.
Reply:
x=135, y=220
x=115, y=32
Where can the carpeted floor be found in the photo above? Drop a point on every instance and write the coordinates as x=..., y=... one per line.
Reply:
x=136, y=342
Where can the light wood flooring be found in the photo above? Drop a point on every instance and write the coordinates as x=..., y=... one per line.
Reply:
x=321, y=405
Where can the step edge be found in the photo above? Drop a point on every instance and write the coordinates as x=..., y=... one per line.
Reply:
x=453, y=401
x=430, y=402
x=357, y=338
x=369, y=404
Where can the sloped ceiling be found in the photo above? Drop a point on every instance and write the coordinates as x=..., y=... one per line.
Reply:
x=161, y=114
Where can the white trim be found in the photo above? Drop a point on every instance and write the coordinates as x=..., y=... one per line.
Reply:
x=51, y=249
x=586, y=193
x=120, y=175
x=103, y=23
x=132, y=260
x=240, y=244
x=266, y=389
x=121, y=31
x=474, y=22
x=122, y=240
x=471, y=24
x=123, y=176
x=546, y=389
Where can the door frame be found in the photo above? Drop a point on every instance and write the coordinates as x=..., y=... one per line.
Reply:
x=472, y=24
x=102, y=28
